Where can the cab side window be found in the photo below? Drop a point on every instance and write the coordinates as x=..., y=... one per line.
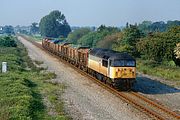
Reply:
x=105, y=63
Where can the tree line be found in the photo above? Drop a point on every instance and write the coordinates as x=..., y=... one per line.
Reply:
x=7, y=29
x=161, y=26
x=158, y=46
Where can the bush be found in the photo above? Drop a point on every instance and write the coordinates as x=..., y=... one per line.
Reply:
x=7, y=41
x=169, y=63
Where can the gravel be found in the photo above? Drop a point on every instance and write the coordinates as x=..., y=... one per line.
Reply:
x=158, y=90
x=84, y=99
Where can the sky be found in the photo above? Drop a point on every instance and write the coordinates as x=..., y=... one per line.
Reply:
x=89, y=12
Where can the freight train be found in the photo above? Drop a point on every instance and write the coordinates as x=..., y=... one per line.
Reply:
x=118, y=69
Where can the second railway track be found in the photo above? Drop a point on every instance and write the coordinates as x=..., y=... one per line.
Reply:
x=151, y=108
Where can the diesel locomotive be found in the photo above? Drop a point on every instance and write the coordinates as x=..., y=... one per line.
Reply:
x=117, y=69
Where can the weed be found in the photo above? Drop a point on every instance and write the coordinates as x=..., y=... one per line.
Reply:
x=38, y=62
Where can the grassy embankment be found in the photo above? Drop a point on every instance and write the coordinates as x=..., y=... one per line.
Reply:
x=170, y=73
x=37, y=38
x=24, y=87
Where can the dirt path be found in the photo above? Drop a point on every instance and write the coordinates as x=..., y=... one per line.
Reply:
x=84, y=100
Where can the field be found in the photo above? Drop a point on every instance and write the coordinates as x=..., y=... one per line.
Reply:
x=25, y=87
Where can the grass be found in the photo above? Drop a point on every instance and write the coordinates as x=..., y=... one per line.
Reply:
x=167, y=72
x=36, y=38
x=53, y=91
x=24, y=87
x=32, y=37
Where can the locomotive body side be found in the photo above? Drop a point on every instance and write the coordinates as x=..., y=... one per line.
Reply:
x=95, y=63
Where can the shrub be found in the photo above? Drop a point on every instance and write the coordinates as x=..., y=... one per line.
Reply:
x=7, y=41
x=159, y=46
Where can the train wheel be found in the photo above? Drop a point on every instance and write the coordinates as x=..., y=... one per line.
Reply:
x=105, y=79
x=127, y=86
x=99, y=77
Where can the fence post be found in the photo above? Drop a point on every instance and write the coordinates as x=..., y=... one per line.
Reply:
x=4, y=67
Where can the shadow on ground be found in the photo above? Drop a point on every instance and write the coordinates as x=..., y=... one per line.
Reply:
x=150, y=86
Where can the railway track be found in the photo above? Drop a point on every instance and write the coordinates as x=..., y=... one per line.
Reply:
x=151, y=108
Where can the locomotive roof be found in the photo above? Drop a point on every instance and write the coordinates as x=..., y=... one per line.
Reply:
x=60, y=42
x=75, y=46
x=84, y=47
x=79, y=46
x=48, y=38
x=110, y=54
x=57, y=41
x=64, y=43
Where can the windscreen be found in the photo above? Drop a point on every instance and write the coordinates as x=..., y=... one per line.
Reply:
x=118, y=63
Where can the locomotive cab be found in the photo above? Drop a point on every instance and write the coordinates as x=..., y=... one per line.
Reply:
x=112, y=67
x=122, y=69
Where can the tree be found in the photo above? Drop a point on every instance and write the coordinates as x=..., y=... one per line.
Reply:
x=148, y=27
x=109, y=40
x=87, y=40
x=172, y=24
x=54, y=25
x=127, y=40
x=77, y=34
x=34, y=28
x=92, y=38
x=158, y=26
x=160, y=46
x=131, y=35
x=145, y=26
x=8, y=29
